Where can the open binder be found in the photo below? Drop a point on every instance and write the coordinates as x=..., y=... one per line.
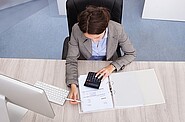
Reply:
x=121, y=90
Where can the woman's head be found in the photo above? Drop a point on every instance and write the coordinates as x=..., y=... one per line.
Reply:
x=94, y=20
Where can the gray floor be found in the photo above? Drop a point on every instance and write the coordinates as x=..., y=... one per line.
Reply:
x=154, y=39
x=32, y=31
x=10, y=3
x=35, y=30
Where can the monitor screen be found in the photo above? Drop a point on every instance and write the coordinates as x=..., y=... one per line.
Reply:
x=25, y=95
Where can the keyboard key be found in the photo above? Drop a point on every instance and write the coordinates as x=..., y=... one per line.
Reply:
x=55, y=94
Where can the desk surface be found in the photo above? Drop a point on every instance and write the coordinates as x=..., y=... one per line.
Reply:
x=164, y=10
x=171, y=76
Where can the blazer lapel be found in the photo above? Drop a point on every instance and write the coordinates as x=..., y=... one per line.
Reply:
x=112, y=43
x=88, y=45
x=111, y=47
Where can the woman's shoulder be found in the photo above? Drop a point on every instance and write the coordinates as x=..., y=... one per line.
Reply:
x=115, y=26
x=76, y=29
x=111, y=22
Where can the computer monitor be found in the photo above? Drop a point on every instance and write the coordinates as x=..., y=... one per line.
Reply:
x=16, y=95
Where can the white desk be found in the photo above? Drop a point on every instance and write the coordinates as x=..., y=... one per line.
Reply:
x=164, y=10
x=171, y=76
x=61, y=4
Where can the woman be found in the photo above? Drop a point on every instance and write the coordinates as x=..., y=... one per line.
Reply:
x=96, y=37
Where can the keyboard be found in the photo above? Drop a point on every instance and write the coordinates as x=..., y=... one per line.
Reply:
x=55, y=94
x=92, y=81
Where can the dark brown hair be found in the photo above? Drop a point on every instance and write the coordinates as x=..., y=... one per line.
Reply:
x=93, y=20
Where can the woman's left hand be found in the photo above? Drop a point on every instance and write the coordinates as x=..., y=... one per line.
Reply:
x=105, y=72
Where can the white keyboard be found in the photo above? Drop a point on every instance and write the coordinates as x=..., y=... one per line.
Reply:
x=54, y=94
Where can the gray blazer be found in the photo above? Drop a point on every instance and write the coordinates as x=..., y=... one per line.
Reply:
x=80, y=47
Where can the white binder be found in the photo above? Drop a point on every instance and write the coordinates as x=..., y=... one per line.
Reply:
x=121, y=90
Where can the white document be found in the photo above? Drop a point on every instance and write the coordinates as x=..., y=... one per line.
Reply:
x=122, y=90
x=95, y=99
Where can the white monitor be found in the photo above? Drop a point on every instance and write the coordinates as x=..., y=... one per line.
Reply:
x=16, y=95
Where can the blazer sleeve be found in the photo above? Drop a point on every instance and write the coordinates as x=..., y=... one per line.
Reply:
x=129, y=53
x=71, y=60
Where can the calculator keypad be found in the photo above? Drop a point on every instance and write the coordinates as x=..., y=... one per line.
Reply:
x=92, y=81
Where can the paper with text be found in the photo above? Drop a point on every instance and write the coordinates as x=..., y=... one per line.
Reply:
x=95, y=99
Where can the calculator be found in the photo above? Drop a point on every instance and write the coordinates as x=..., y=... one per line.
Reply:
x=92, y=81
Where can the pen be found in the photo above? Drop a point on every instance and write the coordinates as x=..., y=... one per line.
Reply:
x=72, y=100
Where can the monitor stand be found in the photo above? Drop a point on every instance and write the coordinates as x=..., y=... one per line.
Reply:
x=10, y=112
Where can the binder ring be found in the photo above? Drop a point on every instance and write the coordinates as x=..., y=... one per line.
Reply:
x=113, y=92
x=112, y=82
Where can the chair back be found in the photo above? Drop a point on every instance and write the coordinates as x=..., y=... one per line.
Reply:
x=75, y=7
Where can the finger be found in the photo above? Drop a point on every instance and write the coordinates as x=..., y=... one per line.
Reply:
x=73, y=97
x=77, y=97
x=105, y=76
x=99, y=72
x=100, y=75
x=73, y=102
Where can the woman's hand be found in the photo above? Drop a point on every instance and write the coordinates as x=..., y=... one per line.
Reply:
x=106, y=71
x=74, y=94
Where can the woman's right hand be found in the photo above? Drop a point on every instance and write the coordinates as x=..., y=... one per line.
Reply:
x=74, y=94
